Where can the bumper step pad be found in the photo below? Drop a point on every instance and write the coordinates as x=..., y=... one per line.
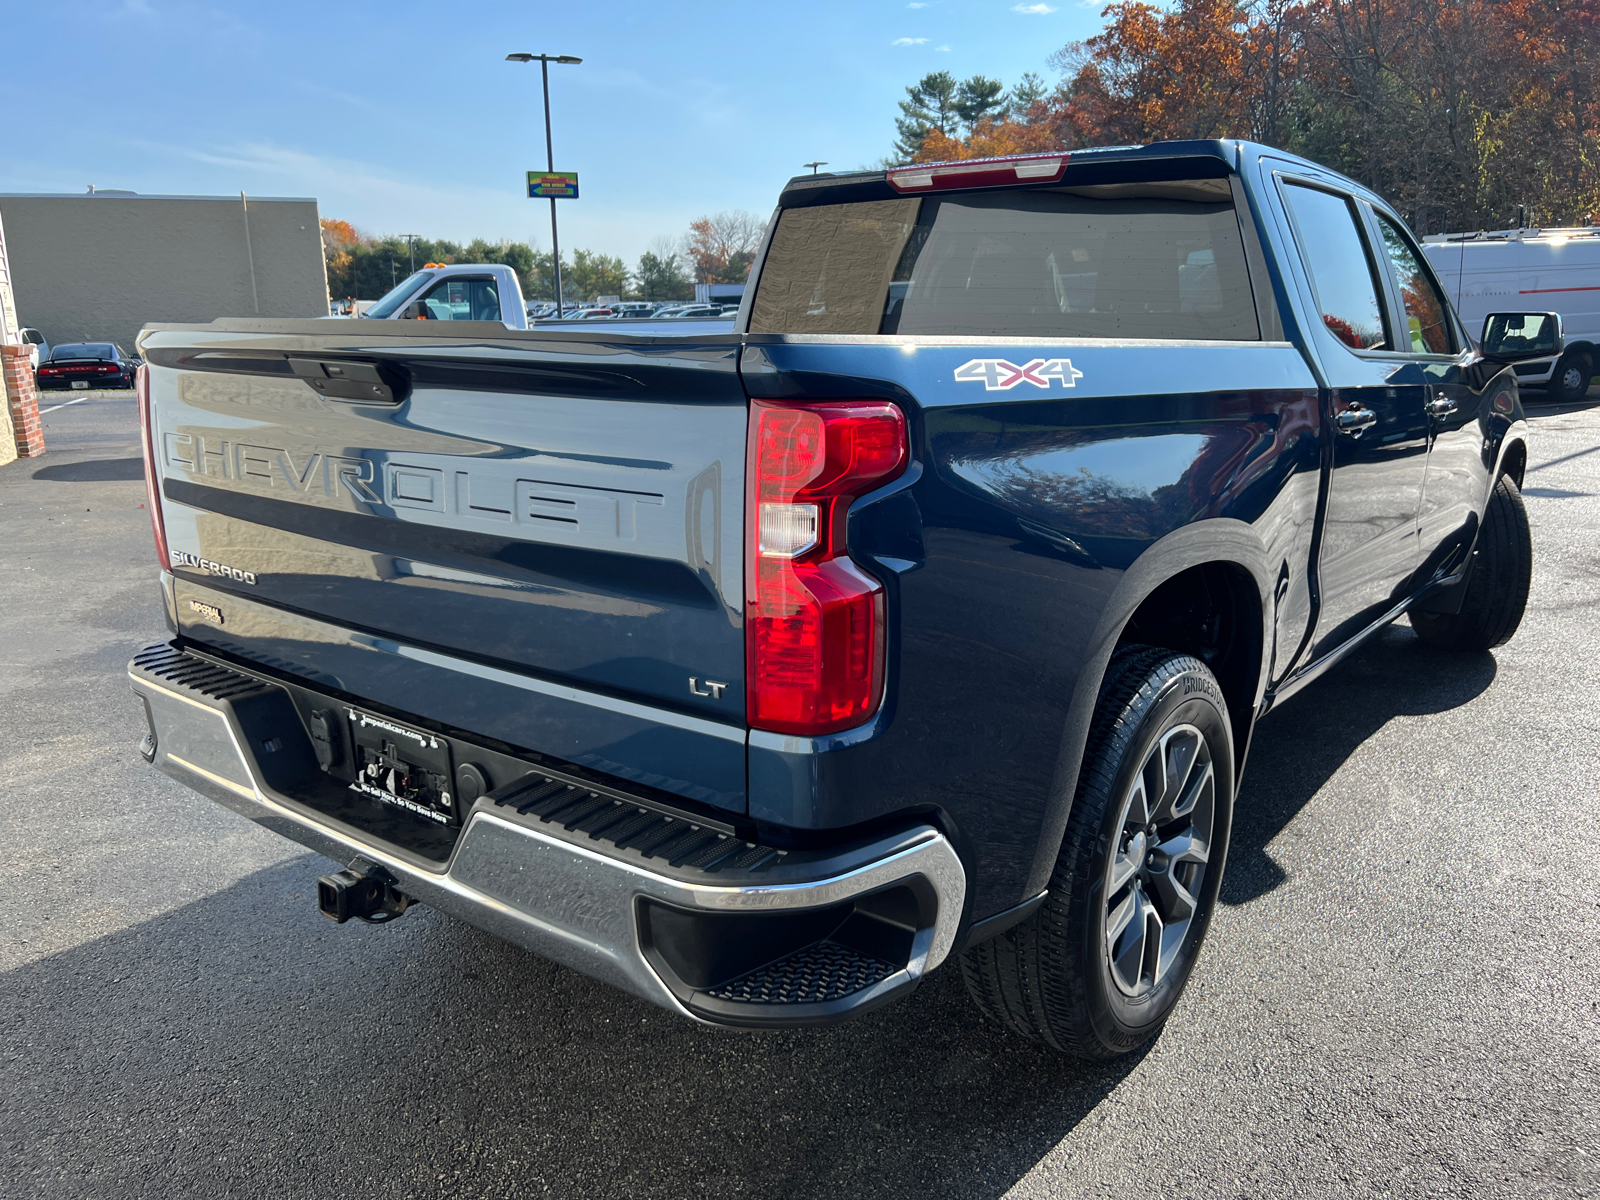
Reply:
x=820, y=973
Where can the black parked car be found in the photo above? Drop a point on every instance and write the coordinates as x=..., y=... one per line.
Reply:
x=81, y=365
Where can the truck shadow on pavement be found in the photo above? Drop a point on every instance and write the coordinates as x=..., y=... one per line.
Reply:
x=1298, y=747
x=243, y=1045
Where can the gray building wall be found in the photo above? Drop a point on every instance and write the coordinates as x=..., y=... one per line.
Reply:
x=99, y=267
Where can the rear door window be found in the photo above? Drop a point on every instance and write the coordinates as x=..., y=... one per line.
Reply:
x=1159, y=261
x=1429, y=327
x=1341, y=274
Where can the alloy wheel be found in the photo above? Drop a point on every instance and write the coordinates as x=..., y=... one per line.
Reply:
x=1158, y=864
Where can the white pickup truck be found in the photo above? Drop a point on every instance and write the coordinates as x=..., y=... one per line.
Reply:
x=1555, y=269
x=459, y=292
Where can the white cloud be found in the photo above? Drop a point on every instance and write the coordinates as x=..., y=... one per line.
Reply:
x=908, y=41
x=1033, y=10
x=943, y=49
x=916, y=4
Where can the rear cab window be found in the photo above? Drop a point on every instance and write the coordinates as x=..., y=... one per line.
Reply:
x=1140, y=260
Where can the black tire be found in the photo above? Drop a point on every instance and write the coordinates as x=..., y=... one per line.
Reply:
x=1497, y=590
x=1051, y=978
x=1570, y=380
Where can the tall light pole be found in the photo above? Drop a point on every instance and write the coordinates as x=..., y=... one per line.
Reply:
x=544, y=61
x=411, y=248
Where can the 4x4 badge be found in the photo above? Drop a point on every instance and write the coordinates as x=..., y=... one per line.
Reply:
x=998, y=375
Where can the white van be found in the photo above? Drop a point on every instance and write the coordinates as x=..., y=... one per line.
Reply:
x=1520, y=270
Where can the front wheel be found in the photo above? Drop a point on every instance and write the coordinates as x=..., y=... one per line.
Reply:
x=1569, y=382
x=1497, y=590
x=1097, y=970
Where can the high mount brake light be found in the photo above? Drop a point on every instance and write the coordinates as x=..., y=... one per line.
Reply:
x=152, y=493
x=814, y=622
x=978, y=172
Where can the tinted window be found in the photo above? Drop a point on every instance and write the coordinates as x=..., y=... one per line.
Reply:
x=1127, y=261
x=81, y=350
x=1425, y=310
x=1336, y=257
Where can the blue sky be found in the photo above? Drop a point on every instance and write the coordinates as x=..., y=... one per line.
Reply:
x=403, y=117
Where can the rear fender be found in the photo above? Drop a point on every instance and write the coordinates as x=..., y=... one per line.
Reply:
x=1219, y=540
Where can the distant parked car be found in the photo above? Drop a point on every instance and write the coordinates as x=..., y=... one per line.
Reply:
x=81, y=365
x=36, y=341
x=692, y=310
x=590, y=314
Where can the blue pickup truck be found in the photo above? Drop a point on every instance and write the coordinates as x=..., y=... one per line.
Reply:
x=924, y=616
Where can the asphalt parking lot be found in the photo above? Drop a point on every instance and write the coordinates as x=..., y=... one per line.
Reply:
x=1400, y=997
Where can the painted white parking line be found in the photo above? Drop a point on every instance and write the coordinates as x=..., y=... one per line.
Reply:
x=67, y=404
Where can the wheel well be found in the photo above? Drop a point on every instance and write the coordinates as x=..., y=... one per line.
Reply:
x=1212, y=611
x=1515, y=462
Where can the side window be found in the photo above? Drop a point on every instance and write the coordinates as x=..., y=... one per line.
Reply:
x=1341, y=274
x=1425, y=308
x=459, y=299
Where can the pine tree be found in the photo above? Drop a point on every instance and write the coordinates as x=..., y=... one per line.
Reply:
x=930, y=104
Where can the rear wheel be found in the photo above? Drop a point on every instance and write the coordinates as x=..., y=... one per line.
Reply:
x=1570, y=380
x=1497, y=590
x=1097, y=970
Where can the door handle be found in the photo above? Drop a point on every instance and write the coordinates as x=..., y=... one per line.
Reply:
x=1440, y=406
x=1355, y=421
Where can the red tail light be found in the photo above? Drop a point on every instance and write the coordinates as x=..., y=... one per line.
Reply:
x=152, y=490
x=814, y=630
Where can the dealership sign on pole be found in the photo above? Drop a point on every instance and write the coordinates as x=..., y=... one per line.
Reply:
x=557, y=185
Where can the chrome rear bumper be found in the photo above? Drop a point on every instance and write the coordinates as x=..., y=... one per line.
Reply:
x=798, y=939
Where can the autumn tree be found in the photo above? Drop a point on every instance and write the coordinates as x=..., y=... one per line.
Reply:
x=721, y=248
x=1462, y=113
x=990, y=139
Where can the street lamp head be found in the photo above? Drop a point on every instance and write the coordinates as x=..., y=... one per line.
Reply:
x=519, y=58
x=569, y=58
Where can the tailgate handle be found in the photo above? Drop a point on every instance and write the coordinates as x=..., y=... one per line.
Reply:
x=347, y=380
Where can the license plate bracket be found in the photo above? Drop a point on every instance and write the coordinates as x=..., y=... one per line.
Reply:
x=403, y=767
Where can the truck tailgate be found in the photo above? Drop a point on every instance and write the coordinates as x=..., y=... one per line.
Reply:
x=567, y=506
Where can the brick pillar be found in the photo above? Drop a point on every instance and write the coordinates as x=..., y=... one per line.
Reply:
x=22, y=400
